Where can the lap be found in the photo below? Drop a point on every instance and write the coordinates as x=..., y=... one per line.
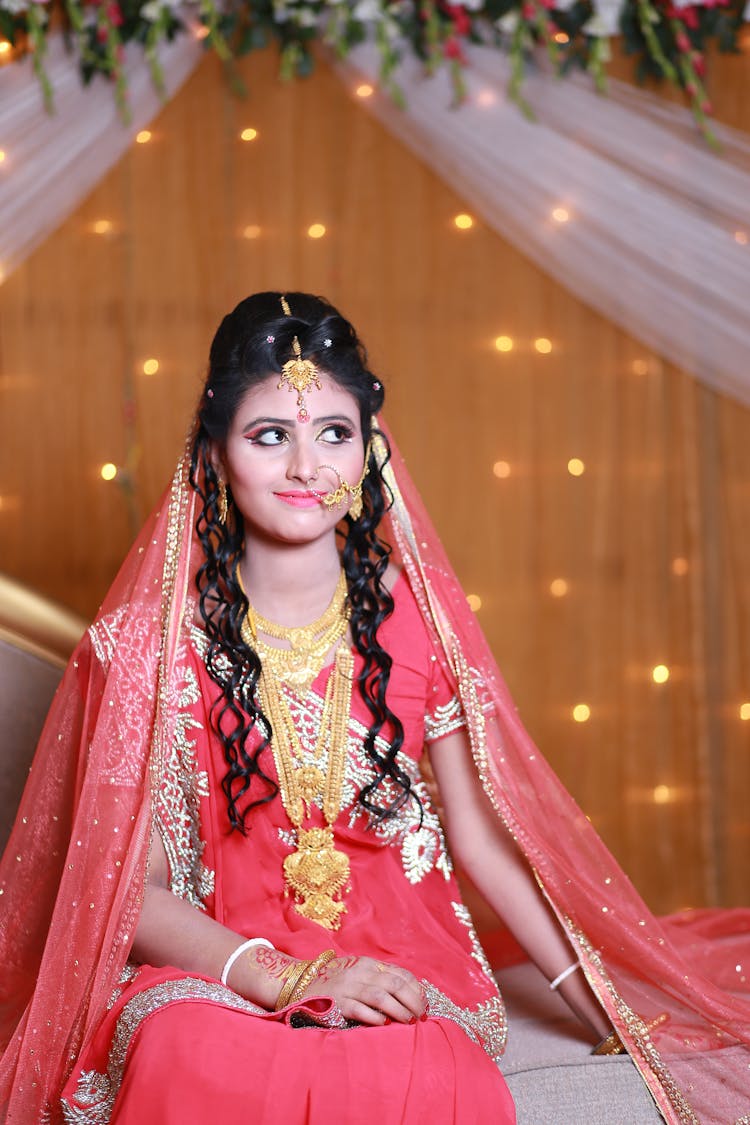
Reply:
x=186, y=1060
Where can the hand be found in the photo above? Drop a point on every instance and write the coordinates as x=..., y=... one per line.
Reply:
x=370, y=992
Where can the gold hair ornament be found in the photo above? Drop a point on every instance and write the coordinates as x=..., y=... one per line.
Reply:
x=298, y=374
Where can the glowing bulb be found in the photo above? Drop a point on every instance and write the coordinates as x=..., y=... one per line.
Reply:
x=745, y=711
x=543, y=345
x=365, y=90
x=251, y=231
x=151, y=366
x=639, y=367
x=501, y=469
x=463, y=221
x=561, y=37
x=680, y=567
x=475, y=602
x=200, y=32
x=558, y=587
x=108, y=471
x=561, y=214
x=5, y=47
x=662, y=794
x=486, y=97
x=660, y=674
x=317, y=230
x=740, y=236
x=504, y=343
x=2, y=155
x=102, y=226
x=143, y=137
x=248, y=134
x=581, y=712
x=576, y=467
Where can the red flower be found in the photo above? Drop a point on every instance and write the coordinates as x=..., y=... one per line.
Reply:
x=114, y=14
x=452, y=49
x=688, y=16
x=460, y=17
x=682, y=41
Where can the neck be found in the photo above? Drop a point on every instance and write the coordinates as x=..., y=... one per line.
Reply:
x=290, y=585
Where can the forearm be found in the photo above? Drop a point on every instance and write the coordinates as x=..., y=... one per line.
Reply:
x=511, y=890
x=172, y=932
x=493, y=862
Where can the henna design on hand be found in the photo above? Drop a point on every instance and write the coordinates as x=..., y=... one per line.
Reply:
x=336, y=966
x=273, y=961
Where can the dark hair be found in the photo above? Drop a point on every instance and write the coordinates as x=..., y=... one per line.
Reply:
x=252, y=344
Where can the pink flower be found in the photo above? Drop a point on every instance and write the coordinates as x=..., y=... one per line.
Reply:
x=452, y=49
x=682, y=41
x=460, y=17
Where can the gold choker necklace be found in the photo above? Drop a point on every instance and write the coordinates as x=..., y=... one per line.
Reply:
x=309, y=645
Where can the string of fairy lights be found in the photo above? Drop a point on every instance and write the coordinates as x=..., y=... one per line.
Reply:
x=559, y=587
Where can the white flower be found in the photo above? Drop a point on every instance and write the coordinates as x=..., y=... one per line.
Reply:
x=473, y=5
x=14, y=6
x=507, y=23
x=367, y=10
x=606, y=18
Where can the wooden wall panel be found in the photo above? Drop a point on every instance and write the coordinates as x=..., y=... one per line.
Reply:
x=662, y=770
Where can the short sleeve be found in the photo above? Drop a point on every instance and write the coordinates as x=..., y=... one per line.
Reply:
x=443, y=714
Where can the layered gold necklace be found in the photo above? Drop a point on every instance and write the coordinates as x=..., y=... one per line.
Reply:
x=316, y=873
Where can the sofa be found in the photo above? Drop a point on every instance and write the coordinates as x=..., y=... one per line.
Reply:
x=548, y=1064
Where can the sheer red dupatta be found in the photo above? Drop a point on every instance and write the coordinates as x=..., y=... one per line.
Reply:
x=72, y=876
x=696, y=1060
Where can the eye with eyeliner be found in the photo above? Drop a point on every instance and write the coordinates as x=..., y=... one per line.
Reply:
x=264, y=434
x=342, y=431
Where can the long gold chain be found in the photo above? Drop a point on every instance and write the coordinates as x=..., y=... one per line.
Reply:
x=315, y=873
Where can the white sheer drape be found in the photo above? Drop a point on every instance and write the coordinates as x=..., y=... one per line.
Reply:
x=52, y=160
x=658, y=230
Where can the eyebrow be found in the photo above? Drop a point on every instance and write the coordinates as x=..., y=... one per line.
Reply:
x=267, y=421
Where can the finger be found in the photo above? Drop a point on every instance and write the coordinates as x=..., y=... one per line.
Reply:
x=357, y=1010
x=386, y=1002
x=404, y=988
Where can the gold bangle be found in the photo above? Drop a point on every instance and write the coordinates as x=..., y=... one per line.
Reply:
x=291, y=977
x=310, y=973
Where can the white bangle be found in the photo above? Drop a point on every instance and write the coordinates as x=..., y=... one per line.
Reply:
x=239, y=950
x=555, y=984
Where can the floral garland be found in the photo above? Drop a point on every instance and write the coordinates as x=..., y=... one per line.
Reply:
x=668, y=38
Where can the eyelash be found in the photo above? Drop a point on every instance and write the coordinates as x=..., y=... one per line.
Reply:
x=345, y=432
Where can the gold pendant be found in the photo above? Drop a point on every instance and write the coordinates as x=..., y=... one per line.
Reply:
x=316, y=873
x=310, y=783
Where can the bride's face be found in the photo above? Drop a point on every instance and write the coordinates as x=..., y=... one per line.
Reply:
x=279, y=468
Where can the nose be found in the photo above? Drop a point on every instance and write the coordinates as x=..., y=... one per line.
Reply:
x=303, y=464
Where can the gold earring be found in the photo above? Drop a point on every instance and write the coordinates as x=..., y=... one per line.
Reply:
x=222, y=503
x=355, y=511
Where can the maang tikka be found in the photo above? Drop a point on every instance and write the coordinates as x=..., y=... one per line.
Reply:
x=298, y=374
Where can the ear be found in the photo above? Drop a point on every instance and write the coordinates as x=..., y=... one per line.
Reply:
x=216, y=457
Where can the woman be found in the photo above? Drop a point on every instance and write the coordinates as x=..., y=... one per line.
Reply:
x=248, y=902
